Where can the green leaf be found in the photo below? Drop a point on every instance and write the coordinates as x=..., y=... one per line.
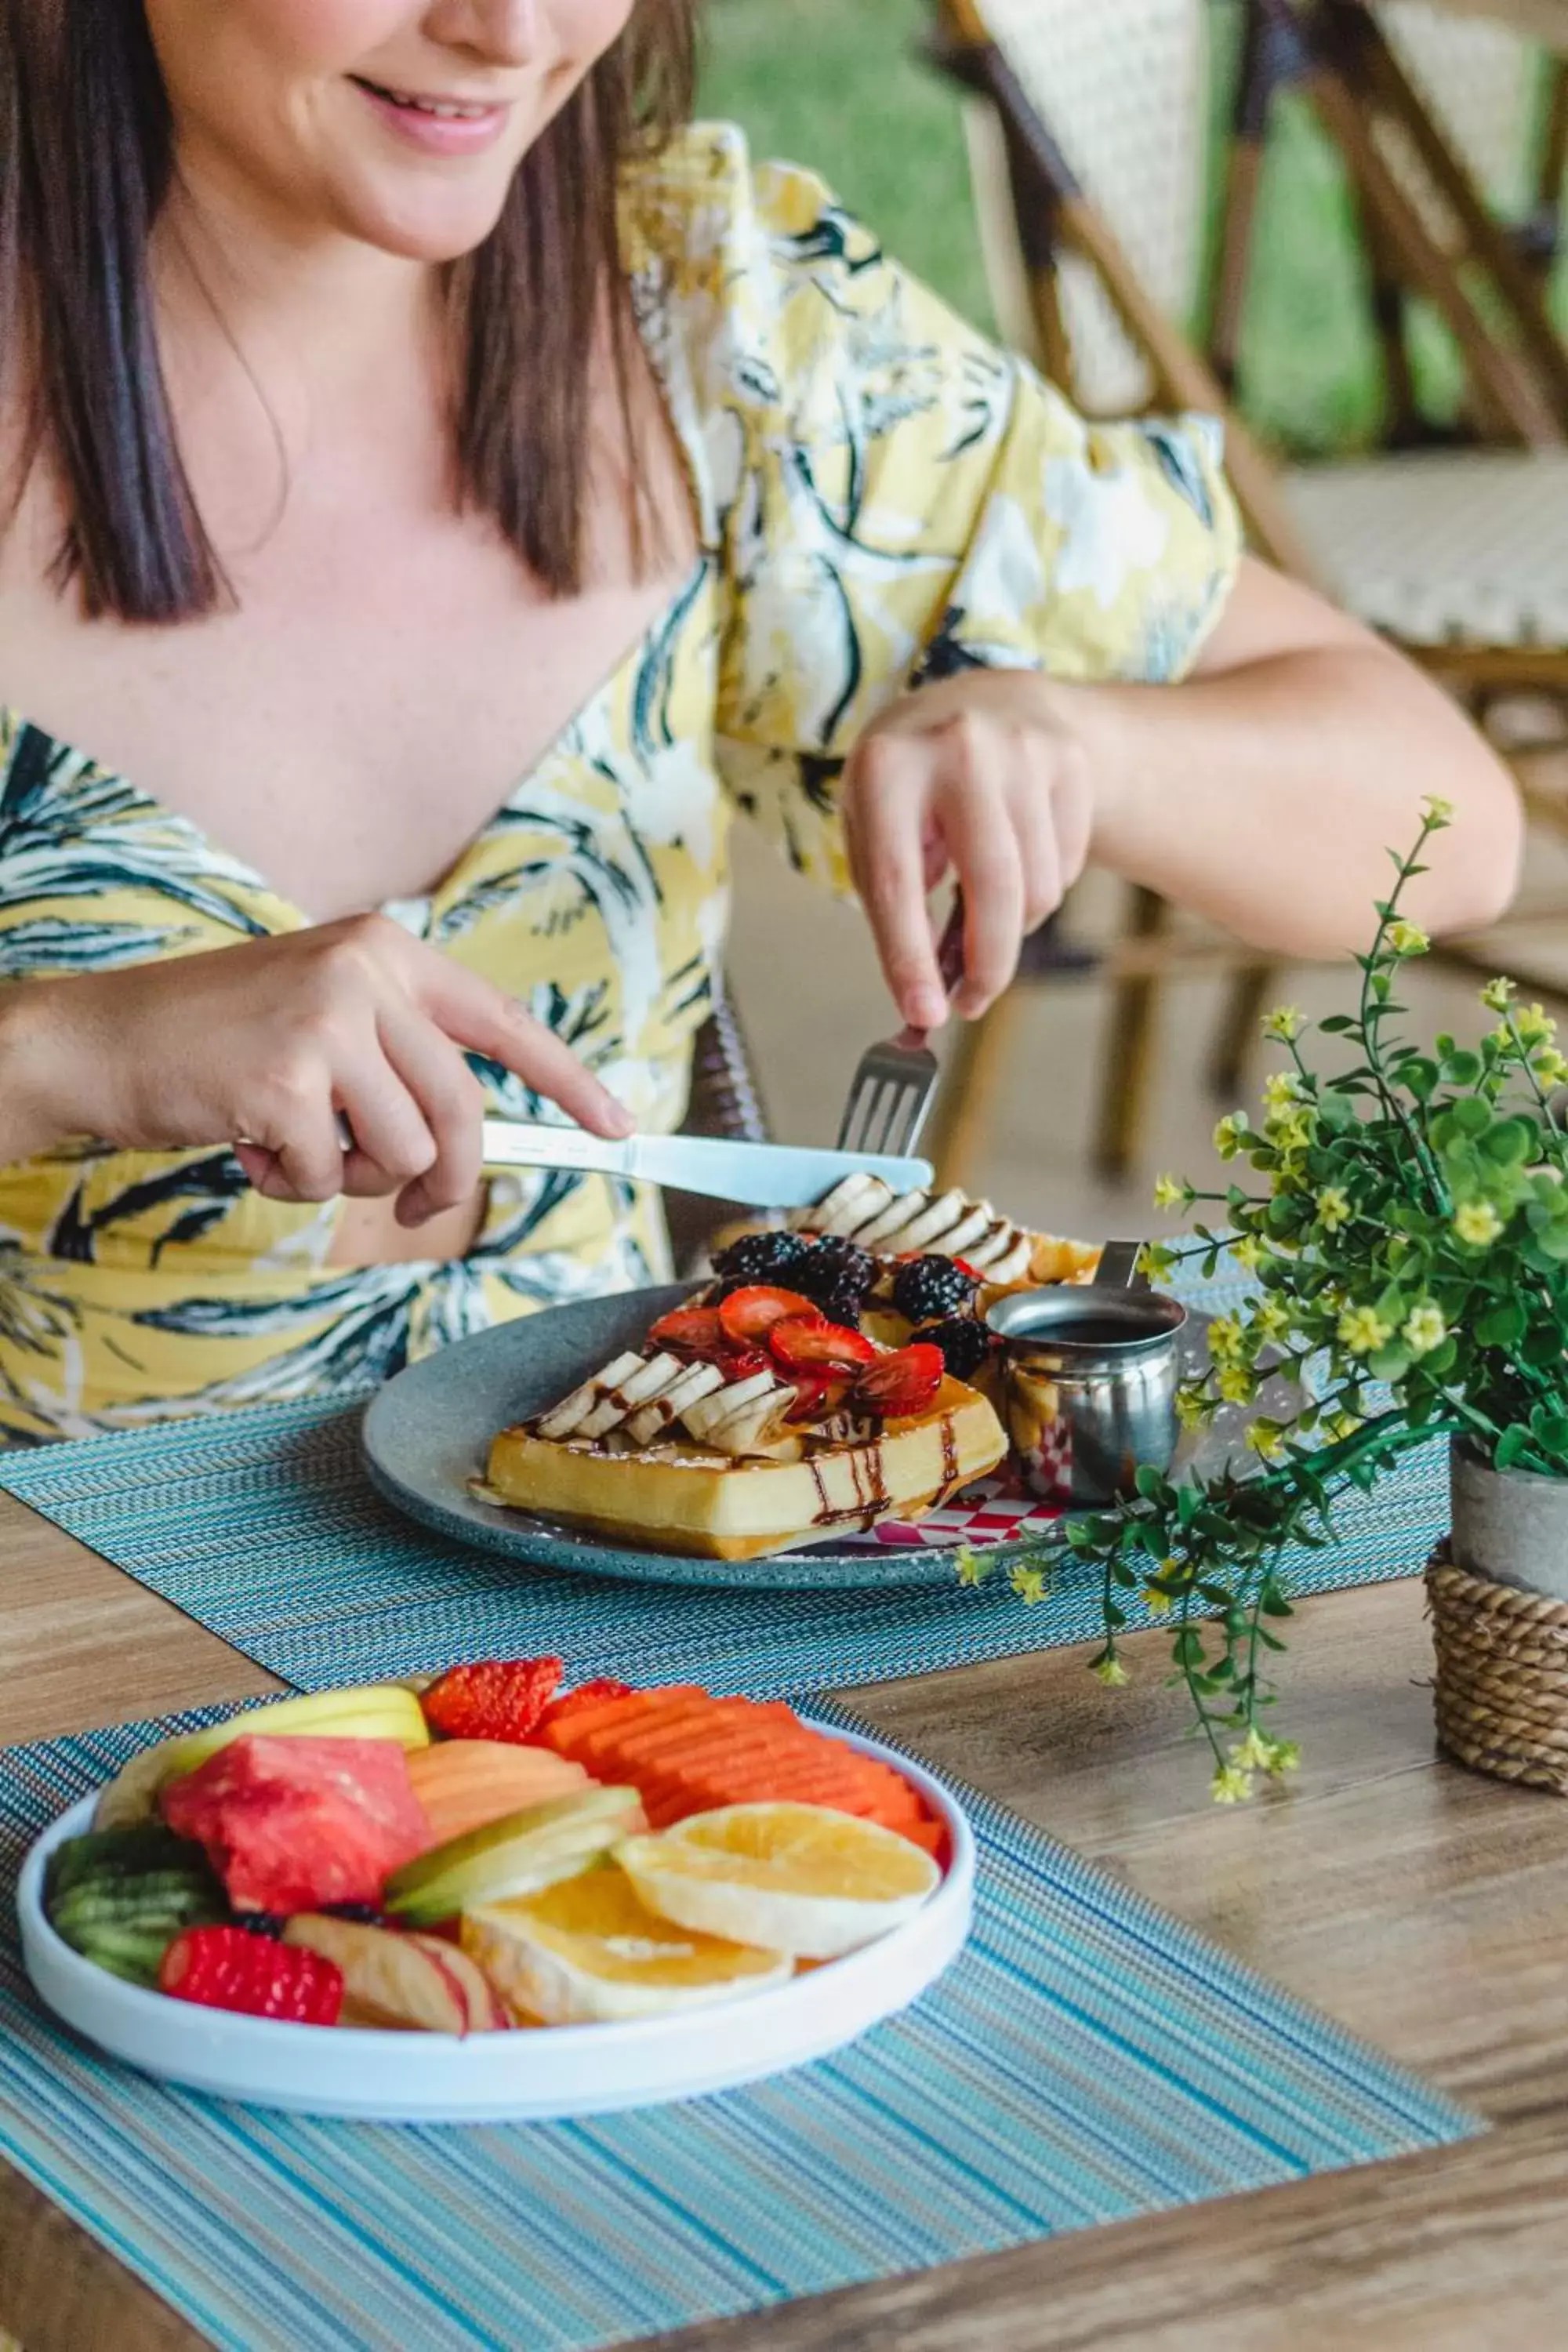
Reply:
x=1390, y=1363
x=1509, y=1447
x=1338, y=1024
x=1509, y=1142
x=1418, y=1076
x=1149, y=1482
x=1458, y=1068
x=1503, y=1326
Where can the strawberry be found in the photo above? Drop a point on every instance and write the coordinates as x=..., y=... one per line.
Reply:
x=750, y=1315
x=226, y=1967
x=497, y=1699
x=804, y=1343
x=742, y=1363
x=586, y=1695
x=901, y=1383
x=692, y=1331
x=816, y=1394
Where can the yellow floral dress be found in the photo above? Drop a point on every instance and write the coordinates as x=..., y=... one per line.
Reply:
x=883, y=498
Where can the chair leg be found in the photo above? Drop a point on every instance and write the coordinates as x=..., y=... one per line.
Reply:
x=971, y=1085
x=1237, y=1031
x=1124, y=1098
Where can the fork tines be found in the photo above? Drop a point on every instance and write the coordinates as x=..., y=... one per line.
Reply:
x=892, y=1091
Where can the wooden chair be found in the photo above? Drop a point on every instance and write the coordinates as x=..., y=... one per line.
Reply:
x=1090, y=132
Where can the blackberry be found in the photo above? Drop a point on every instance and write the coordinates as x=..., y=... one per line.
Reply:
x=835, y=1267
x=840, y=1305
x=929, y=1288
x=359, y=1915
x=760, y=1258
x=269, y=1924
x=964, y=1344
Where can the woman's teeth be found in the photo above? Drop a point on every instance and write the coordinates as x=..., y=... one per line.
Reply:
x=446, y=109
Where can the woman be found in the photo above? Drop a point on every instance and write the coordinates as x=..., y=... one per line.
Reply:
x=390, y=416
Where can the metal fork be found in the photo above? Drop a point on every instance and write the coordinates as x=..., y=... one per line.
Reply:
x=894, y=1082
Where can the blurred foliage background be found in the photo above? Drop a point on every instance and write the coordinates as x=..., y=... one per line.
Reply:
x=840, y=85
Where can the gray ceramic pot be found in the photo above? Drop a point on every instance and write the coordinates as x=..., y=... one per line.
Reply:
x=1509, y=1525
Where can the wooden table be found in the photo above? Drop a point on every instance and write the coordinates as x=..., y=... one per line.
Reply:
x=1426, y=1909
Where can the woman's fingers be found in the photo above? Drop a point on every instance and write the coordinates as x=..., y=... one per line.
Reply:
x=450, y=1104
x=487, y=1022
x=984, y=844
x=888, y=850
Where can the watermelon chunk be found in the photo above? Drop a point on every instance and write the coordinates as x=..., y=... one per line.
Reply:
x=293, y=1824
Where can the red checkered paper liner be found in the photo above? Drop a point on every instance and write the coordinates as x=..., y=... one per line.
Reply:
x=993, y=1510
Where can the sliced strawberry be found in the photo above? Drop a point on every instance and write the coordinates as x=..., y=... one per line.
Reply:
x=227, y=1967
x=693, y=1331
x=803, y=1342
x=750, y=1315
x=903, y=1383
x=744, y=1364
x=816, y=1394
x=495, y=1699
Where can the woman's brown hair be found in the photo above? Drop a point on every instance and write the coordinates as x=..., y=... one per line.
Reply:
x=85, y=164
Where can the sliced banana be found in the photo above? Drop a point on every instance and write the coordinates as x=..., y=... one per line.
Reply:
x=737, y=1419
x=866, y=1209
x=569, y=1418
x=653, y=1418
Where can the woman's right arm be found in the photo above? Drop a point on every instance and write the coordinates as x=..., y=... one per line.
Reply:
x=262, y=1046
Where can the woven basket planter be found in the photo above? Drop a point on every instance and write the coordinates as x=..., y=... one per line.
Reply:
x=1498, y=1591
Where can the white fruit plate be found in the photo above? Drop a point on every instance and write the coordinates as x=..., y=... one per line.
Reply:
x=534, y=2075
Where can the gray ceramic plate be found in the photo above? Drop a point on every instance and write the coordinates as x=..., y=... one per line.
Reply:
x=425, y=1437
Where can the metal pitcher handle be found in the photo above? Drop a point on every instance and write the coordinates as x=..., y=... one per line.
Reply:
x=1118, y=1269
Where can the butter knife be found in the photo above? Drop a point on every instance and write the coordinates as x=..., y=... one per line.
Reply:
x=761, y=1175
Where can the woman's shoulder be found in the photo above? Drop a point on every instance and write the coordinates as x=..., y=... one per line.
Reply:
x=774, y=290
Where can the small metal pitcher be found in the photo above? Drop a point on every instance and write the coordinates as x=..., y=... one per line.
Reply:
x=1091, y=1373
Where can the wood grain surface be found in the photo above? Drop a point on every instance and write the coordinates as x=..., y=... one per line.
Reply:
x=1424, y=1908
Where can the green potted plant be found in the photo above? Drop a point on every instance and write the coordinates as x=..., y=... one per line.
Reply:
x=1404, y=1234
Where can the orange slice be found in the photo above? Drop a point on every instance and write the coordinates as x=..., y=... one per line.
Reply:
x=802, y=1879
x=586, y=1951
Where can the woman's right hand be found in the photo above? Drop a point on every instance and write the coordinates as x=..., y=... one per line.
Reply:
x=261, y=1046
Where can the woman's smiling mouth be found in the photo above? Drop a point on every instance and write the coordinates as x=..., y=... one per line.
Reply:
x=448, y=126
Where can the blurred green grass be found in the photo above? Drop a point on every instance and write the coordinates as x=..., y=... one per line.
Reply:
x=839, y=85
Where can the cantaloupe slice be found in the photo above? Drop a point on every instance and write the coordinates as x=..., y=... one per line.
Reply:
x=461, y=1784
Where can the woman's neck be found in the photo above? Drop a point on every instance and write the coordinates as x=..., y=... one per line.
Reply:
x=284, y=345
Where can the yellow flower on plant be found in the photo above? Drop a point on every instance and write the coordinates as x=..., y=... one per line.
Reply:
x=1550, y=1067
x=1407, y=939
x=1535, y=1026
x=1290, y=1130
x=1362, y=1331
x=1230, y=1785
x=1029, y=1585
x=1270, y=1320
x=1495, y=995
x=1286, y=1021
x=1338, y=1425
x=1478, y=1223
x=971, y=1568
x=1156, y=1260
x=1157, y=1603
x=1283, y=1090
x=1192, y=1411
x=1109, y=1669
x=1334, y=1207
x=1171, y=1192
x=1436, y=810
x=1230, y=1135
x=1236, y=1384
x=1224, y=1339
x=1250, y=1253
x=1424, y=1329
x=1258, y=1753
x=1266, y=1440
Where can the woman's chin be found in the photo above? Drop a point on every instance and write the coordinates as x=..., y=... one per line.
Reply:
x=422, y=223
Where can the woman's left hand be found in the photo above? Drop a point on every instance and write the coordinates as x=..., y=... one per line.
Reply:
x=978, y=776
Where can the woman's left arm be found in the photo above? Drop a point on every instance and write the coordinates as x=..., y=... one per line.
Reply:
x=1263, y=792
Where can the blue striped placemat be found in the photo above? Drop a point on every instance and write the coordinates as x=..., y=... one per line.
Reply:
x=1087, y=2059
x=263, y=1527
